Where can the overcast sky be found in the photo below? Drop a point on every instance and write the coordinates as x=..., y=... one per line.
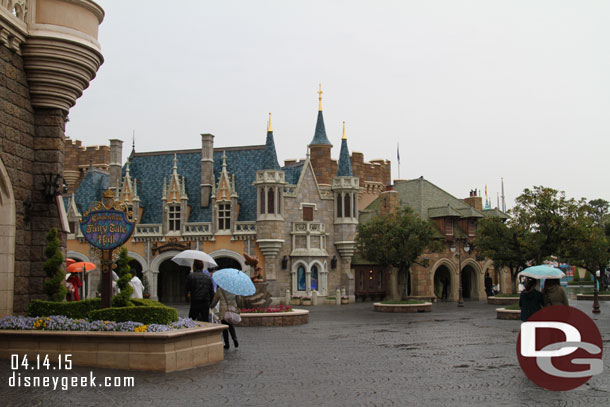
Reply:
x=472, y=90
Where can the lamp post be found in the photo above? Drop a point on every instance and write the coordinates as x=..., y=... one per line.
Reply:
x=463, y=244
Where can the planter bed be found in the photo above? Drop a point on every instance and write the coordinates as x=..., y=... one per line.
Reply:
x=589, y=297
x=503, y=313
x=424, y=307
x=499, y=300
x=151, y=351
x=294, y=317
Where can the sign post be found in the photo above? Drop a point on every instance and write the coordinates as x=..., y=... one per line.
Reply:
x=106, y=226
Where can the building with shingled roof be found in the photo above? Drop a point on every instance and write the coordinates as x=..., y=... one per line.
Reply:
x=298, y=219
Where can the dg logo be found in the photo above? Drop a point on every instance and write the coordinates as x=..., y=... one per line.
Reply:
x=560, y=348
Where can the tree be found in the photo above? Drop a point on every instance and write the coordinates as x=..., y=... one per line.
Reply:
x=122, y=298
x=54, y=285
x=395, y=241
x=541, y=213
x=586, y=241
x=504, y=245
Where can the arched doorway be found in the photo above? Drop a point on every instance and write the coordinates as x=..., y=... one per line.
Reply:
x=469, y=284
x=7, y=242
x=442, y=283
x=171, y=284
x=227, y=262
x=136, y=269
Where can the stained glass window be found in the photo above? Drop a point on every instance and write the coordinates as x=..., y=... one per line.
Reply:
x=301, y=279
x=314, y=277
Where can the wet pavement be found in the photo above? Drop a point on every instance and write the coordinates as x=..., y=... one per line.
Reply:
x=349, y=356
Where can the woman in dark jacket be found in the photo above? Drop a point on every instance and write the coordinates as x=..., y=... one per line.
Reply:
x=530, y=300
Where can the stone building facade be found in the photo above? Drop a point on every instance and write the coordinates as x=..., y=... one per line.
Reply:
x=298, y=219
x=48, y=54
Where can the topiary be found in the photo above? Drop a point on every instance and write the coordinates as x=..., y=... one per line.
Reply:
x=122, y=298
x=54, y=285
x=588, y=276
x=576, y=277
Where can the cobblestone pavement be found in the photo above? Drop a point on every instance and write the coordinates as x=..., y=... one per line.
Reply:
x=349, y=356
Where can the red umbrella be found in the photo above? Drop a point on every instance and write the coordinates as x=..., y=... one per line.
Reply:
x=70, y=261
x=80, y=267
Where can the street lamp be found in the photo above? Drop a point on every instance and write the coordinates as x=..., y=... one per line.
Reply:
x=453, y=248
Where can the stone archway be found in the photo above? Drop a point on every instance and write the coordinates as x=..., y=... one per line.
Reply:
x=470, y=283
x=7, y=243
x=442, y=283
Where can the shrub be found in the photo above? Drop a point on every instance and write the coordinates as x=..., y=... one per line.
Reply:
x=588, y=276
x=54, y=285
x=73, y=309
x=143, y=314
x=145, y=302
x=576, y=277
x=122, y=298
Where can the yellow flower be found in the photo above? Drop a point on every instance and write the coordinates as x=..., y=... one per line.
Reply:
x=140, y=328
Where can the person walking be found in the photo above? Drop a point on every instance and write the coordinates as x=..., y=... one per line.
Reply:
x=199, y=289
x=138, y=287
x=553, y=293
x=76, y=284
x=530, y=300
x=228, y=303
x=488, y=285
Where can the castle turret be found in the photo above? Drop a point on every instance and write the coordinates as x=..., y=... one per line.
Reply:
x=270, y=181
x=116, y=157
x=319, y=149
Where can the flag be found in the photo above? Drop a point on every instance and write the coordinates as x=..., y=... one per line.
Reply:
x=398, y=152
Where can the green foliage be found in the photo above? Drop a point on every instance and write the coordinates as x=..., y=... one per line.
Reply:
x=576, y=277
x=396, y=239
x=588, y=276
x=146, y=302
x=513, y=307
x=144, y=314
x=54, y=285
x=122, y=299
x=72, y=309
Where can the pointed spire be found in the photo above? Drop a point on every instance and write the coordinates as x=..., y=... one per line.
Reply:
x=224, y=161
x=270, y=156
x=344, y=169
x=133, y=143
x=320, y=98
x=175, y=164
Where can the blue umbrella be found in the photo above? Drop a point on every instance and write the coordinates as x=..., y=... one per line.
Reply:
x=542, y=271
x=234, y=281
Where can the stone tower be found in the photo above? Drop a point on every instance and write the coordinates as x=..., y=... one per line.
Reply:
x=319, y=149
x=207, y=168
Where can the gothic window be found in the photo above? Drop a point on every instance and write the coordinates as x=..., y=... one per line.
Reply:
x=448, y=226
x=472, y=227
x=307, y=213
x=224, y=216
x=355, y=207
x=271, y=200
x=301, y=279
x=174, y=218
x=314, y=277
x=347, y=206
x=339, y=212
x=262, y=200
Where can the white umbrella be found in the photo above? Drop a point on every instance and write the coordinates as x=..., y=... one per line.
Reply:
x=187, y=257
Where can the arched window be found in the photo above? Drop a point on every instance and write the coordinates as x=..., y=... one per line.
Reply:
x=301, y=279
x=339, y=214
x=347, y=207
x=262, y=200
x=279, y=201
x=314, y=277
x=271, y=200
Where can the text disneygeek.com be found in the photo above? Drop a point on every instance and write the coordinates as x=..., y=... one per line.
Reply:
x=62, y=362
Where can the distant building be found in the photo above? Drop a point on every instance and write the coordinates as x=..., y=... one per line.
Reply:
x=299, y=219
x=437, y=274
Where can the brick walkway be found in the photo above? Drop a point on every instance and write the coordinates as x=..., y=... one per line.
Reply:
x=350, y=356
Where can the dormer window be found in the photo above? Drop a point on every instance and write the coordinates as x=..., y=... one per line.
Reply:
x=173, y=217
x=448, y=226
x=224, y=216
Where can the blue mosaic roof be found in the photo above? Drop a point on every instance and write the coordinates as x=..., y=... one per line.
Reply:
x=293, y=172
x=91, y=189
x=344, y=169
x=270, y=160
x=319, y=136
x=150, y=169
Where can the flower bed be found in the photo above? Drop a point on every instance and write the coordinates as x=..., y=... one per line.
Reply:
x=268, y=310
x=403, y=306
x=500, y=299
x=289, y=318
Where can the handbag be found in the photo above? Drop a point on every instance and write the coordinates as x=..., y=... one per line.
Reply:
x=231, y=315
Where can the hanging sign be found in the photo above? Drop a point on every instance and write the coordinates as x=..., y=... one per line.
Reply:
x=106, y=229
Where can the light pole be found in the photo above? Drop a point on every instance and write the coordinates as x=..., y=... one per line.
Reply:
x=463, y=244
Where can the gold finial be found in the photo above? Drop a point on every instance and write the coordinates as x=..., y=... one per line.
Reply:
x=320, y=98
x=344, y=138
x=269, y=129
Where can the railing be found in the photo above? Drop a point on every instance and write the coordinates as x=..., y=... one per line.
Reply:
x=148, y=230
x=245, y=228
x=197, y=228
x=308, y=228
x=290, y=190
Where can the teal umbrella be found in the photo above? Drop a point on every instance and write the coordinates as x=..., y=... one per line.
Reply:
x=234, y=281
x=542, y=271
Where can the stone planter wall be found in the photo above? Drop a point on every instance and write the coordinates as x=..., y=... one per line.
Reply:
x=152, y=351
x=503, y=313
x=589, y=297
x=296, y=317
x=502, y=300
x=425, y=307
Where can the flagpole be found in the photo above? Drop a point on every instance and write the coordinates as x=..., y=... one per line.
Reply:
x=398, y=157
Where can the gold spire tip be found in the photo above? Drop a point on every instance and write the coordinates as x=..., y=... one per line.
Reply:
x=344, y=137
x=269, y=129
x=320, y=98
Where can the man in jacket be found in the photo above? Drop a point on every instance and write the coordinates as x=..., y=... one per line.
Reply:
x=200, y=289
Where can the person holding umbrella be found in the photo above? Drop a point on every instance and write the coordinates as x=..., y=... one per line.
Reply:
x=228, y=305
x=553, y=293
x=199, y=288
x=73, y=294
x=530, y=300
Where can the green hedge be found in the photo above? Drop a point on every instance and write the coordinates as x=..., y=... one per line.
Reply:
x=146, y=302
x=73, y=309
x=144, y=314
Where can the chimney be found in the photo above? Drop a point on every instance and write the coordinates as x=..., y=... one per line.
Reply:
x=474, y=200
x=116, y=157
x=207, y=168
x=388, y=202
